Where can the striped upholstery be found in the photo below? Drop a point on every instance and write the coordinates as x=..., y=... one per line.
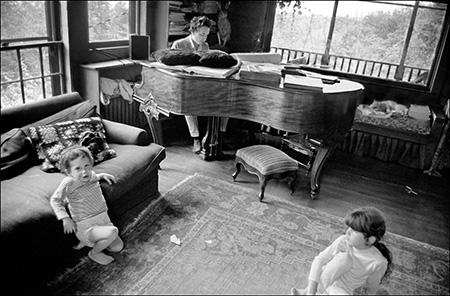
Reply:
x=267, y=159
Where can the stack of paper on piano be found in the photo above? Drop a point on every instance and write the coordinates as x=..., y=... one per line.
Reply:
x=196, y=70
x=265, y=73
x=303, y=82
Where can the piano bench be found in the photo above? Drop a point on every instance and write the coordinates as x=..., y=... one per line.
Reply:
x=267, y=163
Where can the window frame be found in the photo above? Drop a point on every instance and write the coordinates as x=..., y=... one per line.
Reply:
x=117, y=48
x=53, y=41
x=400, y=66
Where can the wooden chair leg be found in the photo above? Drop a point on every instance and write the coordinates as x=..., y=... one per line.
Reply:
x=291, y=183
x=238, y=170
x=262, y=185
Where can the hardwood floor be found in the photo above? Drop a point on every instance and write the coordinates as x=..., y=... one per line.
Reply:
x=347, y=182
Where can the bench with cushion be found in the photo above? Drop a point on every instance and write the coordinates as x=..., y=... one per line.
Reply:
x=267, y=163
x=409, y=139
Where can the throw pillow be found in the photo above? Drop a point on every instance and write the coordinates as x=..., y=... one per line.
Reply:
x=174, y=57
x=217, y=59
x=96, y=143
x=16, y=153
x=51, y=140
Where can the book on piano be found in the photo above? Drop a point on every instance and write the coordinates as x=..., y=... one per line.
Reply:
x=327, y=79
x=302, y=82
x=210, y=72
x=264, y=73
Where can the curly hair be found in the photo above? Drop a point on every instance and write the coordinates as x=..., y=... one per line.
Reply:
x=198, y=22
x=73, y=153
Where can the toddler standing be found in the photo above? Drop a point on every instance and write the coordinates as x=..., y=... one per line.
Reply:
x=87, y=215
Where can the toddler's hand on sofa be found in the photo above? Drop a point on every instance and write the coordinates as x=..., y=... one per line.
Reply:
x=69, y=225
x=107, y=177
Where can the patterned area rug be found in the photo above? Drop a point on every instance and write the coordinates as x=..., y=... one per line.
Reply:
x=233, y=244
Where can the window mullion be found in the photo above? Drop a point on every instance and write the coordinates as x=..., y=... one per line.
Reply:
x=401, y=67
x=326, y=55
x=41, y=66
x=19, y=64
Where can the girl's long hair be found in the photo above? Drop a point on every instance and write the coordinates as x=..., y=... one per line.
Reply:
x=370, y=221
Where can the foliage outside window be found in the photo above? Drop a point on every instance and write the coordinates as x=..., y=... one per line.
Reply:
x=108, y=20
x=372, y=35
x=30, y=57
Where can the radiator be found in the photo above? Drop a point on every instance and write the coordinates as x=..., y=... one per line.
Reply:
x=122, y=111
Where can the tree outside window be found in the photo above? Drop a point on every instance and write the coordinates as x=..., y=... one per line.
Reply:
x=108, y=20
x=388, y=32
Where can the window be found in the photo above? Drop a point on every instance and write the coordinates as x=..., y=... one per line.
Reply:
x=31, y=53
x=108, y=20
x=110, y=24
x=395, y=40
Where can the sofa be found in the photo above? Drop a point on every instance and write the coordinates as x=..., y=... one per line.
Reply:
x=34, y=248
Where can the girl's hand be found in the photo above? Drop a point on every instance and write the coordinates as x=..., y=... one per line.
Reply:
x=69, y=225
x=107, y=177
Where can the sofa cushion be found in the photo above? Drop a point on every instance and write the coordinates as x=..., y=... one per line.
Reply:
x=396, y=122
x=132, y=164
x=217, y=59
x=51, y=140
x=17, y=153
x=25, y=114
x=81, y=110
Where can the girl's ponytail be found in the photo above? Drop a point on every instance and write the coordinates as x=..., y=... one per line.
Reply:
x=387, y=254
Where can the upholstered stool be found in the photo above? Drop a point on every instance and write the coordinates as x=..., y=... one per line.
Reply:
x=267, y=163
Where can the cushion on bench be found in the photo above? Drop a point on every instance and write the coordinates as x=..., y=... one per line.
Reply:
x=267, y=159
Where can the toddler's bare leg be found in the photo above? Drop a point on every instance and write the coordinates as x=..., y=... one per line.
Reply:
x=339, y=265
x=116, y=245
x=102, y=236
x=79, y=246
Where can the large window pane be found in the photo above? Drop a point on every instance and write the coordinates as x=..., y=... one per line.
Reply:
x=306, y=30
x=23, y=19
x=31, y=66
x=11, y=95
x=425, y=37
x=370, y=31
x=108, y=20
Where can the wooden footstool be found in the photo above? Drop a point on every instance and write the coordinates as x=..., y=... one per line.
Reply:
x=267, y=163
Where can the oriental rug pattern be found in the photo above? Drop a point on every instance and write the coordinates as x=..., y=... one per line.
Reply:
x=233, y=244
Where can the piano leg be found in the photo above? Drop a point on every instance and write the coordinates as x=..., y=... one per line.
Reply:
x=322, y=155
x=212, y=141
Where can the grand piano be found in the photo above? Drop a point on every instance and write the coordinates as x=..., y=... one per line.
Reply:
x=326, y=114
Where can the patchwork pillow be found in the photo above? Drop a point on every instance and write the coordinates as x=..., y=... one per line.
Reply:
x=217, y=59
x=17, y=153
x=51, y=140
x=174, y=57
x=96, y=143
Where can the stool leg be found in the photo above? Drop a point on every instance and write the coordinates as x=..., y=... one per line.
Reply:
x=238, y=170
x=291, y=183
x=262, y=185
